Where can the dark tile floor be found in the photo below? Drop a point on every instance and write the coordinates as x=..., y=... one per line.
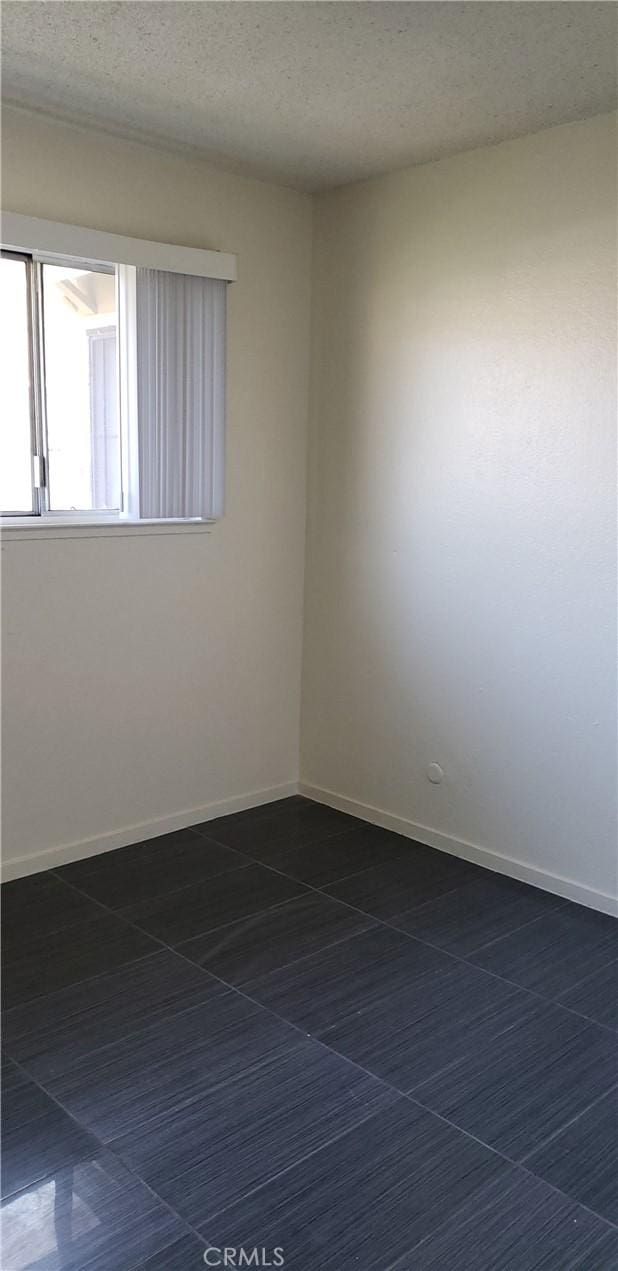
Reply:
x=286, y=1029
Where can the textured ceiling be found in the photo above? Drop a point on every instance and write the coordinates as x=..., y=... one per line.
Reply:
x=312, y=94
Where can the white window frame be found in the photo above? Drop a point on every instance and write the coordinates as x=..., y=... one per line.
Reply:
x=55, y=243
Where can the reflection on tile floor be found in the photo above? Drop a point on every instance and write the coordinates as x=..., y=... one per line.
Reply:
x=288, y=1029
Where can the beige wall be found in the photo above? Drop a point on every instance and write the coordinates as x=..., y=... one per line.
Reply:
x=460, y=580
x=146, y=677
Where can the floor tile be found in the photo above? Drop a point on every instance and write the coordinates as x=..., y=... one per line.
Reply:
x=306, y=823
x=153, y=868
x=282, y=805
x=415, y=1033
x=582, y=1160
x=43, y=963
x=556, y=952
x=249, y=815
x=518, y=1225
x=336, y=857
x=211, y=904
x=526, y=1083
x=38, y=906
x=23, y=1100
x=51, y=1033
x=418, y=877
x=596, y=996
x=117, y=1088
x=329, y=986
x=93, y=1216
x=37, y=1136
x=364, y=1199
x=207, y=1153
x=185, y=1255
x=263, y=943
x=481, y=911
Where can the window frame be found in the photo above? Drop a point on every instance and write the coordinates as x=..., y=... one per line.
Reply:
x=39, y=450
x=35, y=394
x=40, y=242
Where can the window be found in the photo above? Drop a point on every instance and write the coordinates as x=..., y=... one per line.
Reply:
x=17, y=437
x=79, y=357
x=113, y=386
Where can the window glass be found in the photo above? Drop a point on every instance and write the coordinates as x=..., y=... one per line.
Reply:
x=83, y=434
x=15, y=425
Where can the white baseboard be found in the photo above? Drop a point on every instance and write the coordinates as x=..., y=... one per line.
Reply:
x=62, y=854
x=554, y=883
x=51, y=857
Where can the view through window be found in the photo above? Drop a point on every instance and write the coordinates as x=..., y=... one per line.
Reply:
x=81, y=393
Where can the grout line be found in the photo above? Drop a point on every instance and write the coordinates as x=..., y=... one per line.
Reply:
x=124, y=1037
x=225, y=926
x=121, y=913
x=324, y=890
x=530, y=922
x=245, y=861
x=582, y=1113
x=217, y=1083
x=549, y=1001
x=300, y=1160
x=263, y=811
x=590, y=976
x=66, y=988
x=509, y=1160
x=571, y=1010
x=101, y=905
x=102, y=1150
x=321, y=838
x=331, y=944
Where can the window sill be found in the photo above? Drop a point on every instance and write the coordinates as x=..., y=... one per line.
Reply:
x=14, y=529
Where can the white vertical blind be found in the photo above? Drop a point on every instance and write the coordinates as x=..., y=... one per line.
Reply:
x=180, y=394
